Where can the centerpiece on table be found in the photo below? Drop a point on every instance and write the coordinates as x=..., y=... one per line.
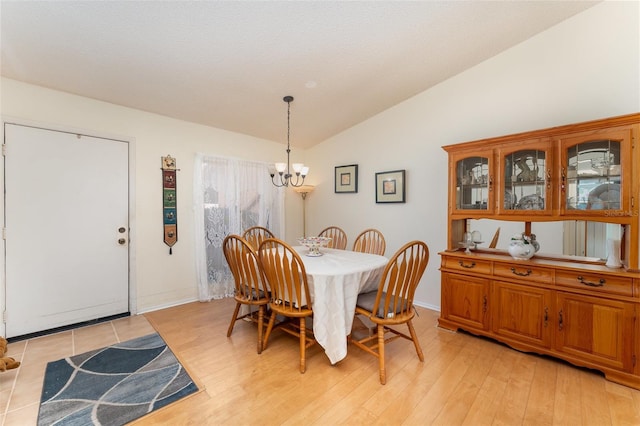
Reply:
x=523, y=246
x=314, y=244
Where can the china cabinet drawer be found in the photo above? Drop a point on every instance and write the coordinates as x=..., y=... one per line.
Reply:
x=523, y=272
x=470, y=265
x=605, y=283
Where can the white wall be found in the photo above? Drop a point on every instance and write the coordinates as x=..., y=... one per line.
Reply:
x=585, y=68
x=160, y=279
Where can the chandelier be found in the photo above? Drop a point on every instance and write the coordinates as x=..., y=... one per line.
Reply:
x=286, y=178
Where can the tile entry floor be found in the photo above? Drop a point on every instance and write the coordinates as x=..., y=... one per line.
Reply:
x=20, y=389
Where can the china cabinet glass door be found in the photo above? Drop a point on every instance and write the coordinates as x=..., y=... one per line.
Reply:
x=526, y=177
x=473, y=184
x=593, y=171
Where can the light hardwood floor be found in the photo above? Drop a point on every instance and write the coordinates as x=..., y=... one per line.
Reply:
x=465, y=380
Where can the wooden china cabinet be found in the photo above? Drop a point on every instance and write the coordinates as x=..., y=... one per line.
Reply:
x=570, y=307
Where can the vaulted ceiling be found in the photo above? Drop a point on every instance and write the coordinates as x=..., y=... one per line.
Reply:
x=228, y=64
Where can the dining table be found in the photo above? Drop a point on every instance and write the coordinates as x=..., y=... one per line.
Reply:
x=335, y=279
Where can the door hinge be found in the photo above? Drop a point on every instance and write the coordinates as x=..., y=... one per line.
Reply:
x=4, y=317
x=4, y=233
x=4, y=149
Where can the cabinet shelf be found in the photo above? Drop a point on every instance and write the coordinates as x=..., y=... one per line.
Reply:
x=536, y=182
x=473, y=186
x=478, y=206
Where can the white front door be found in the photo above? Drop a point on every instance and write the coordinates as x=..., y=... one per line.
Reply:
x=66, y=228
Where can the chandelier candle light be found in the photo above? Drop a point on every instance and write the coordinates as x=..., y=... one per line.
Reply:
x=284, y=169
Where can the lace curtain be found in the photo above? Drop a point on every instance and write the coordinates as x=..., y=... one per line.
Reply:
x=230, y=195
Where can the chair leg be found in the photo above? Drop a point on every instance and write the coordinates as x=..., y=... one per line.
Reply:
x=303, y=345
x=383, y=371
x=233, y=319
x=414, y=337
x=272, y=321
x=260, y=325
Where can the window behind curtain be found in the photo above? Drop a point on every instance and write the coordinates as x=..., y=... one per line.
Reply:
x=230, y=195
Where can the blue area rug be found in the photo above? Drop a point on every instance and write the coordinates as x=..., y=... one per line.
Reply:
x=113, y=385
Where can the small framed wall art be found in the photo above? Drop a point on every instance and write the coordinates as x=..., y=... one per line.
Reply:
x=346, y=179
x=390, y=187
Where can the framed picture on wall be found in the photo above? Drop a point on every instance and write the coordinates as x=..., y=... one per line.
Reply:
x=346, y=179
x=390, y=187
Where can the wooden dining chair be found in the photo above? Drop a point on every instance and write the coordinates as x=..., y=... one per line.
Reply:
x=370, y=241
x=337, y=235
x=290, y=297
x=257, y=234
x=392, y=303
x=250, y=284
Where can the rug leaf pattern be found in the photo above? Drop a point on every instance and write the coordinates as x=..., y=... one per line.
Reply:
x=113, y=385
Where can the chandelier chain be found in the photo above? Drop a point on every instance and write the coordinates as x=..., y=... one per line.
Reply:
x=288, y=129
x=285, y=176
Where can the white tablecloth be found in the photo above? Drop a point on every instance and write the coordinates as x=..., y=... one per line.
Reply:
x=335, y=280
